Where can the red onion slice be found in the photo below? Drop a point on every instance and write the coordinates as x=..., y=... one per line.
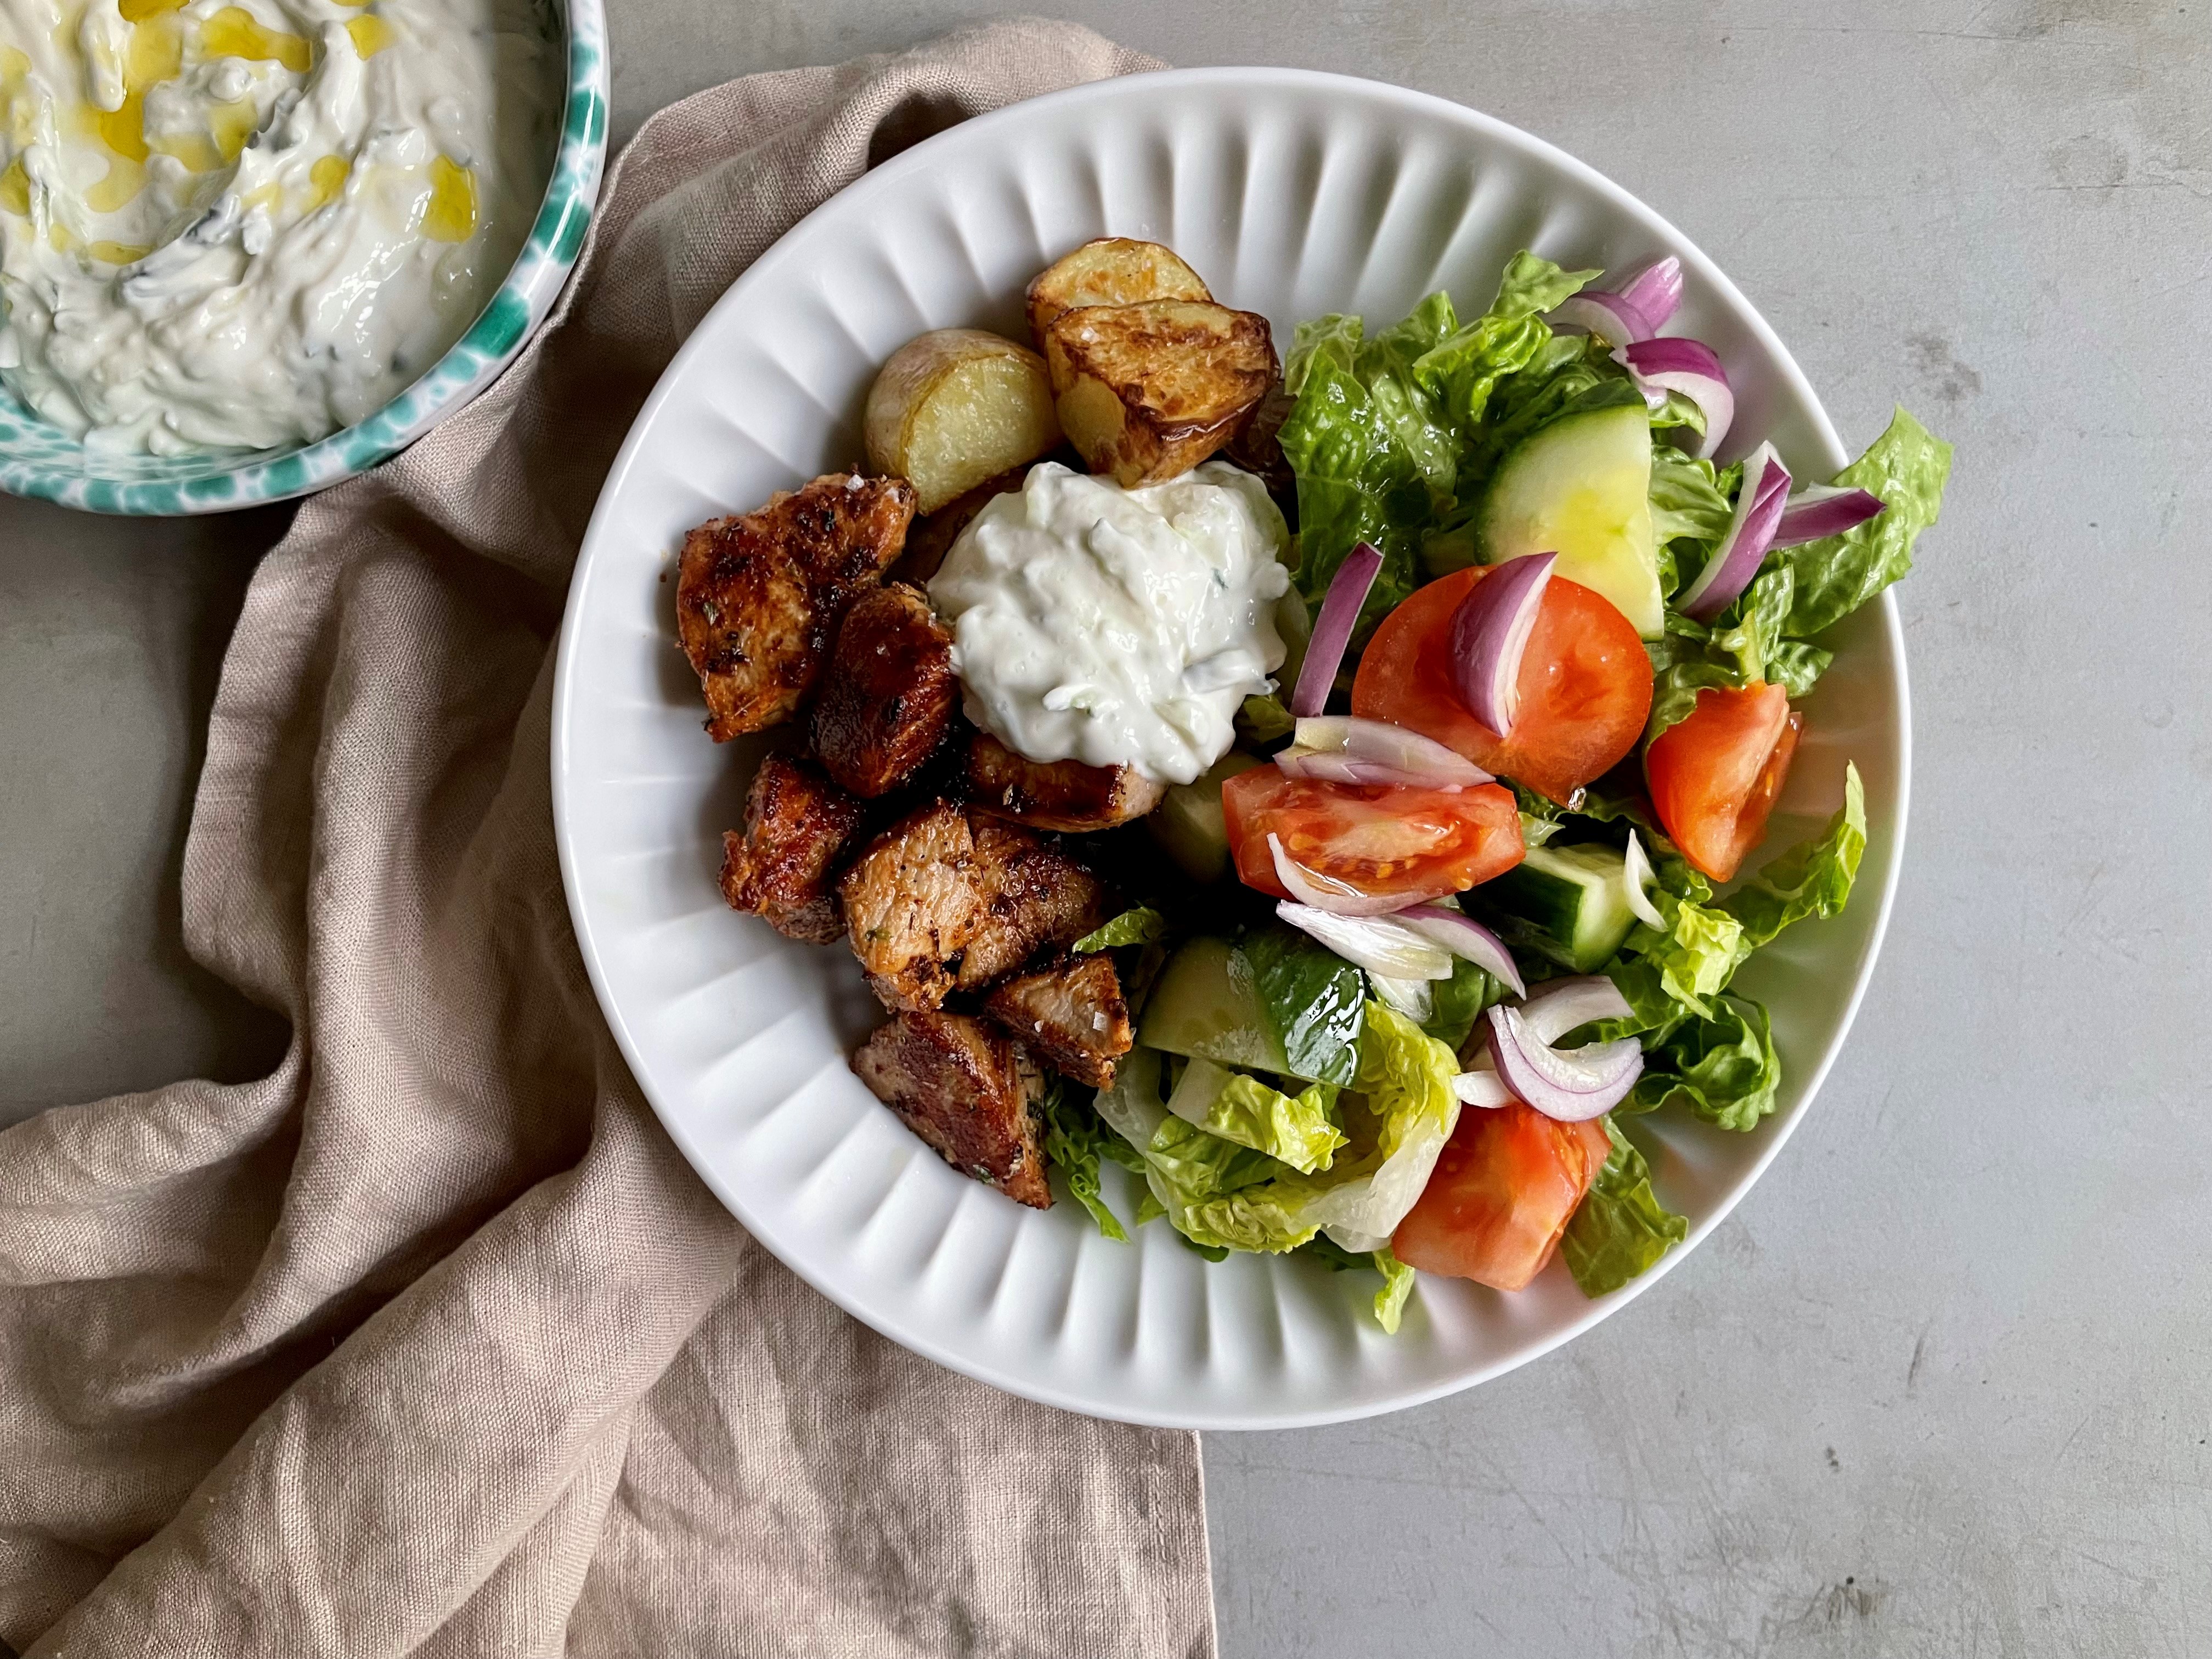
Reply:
x=1560, y=1005
x=1482, y=1087
x=1641, y=875
x=1690, y=368
x=1656, y=290
x=1378, y=944
x=1463, y=936
x=1820, y=510
x=1490, y=633
x=1332, y=630
x=1347, y=749
x=1758, y=503
x=1573, y=1086
x=1319, y=892
x=1611, y=316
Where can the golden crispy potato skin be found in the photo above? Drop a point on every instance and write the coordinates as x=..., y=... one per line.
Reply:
x=1109, y=270
x=1055, y=794
x=887, y=699
x=969, y=1092
x=758, y=596
x=955, y=407
x=1147, y=392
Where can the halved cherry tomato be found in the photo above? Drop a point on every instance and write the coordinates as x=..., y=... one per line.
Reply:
x=1504, y=1189
x=1714, y=774
x=1585, y=685
x=1384, y=839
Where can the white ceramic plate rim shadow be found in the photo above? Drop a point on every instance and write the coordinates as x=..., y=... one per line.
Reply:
x=626, y=1005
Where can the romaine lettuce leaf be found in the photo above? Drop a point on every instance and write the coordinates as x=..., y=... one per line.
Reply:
x=1075, y=1138
x=1222, y=1195
x=1723, y=1068
x=1690, y=961
x=1908, y=467
x=1141, y=925
x=1812, y=878
x=1315, y=999
x=1620, y=1228
x=1397, y=1276
x=1300, y=1129
x=1690, y=499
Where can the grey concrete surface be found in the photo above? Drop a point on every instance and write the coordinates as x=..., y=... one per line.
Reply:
x=1938, y=1388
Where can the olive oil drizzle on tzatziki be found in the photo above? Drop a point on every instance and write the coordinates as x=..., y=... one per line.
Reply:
x=248, y=223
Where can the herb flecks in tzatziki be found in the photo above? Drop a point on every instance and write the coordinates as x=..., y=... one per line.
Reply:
x=245, y=223
x=1117, y=627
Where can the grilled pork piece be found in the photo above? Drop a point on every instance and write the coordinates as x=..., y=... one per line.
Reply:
x=796, y=822
x=1070, y=1015
x=889, y=697
x=758, y=596
x=911, y=905
x=1056, y=794
x=967, y=1089
x=1031, y=896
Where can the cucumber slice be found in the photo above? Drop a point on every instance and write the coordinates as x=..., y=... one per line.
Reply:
x=1188, y=823
x=1567, y=903
x=1204, y=1004
x=1582, y=488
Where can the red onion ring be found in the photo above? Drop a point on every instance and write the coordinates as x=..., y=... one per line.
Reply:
x=1347, y=749
x=1823, y=510
x=1758, y=504
x=1332, y=630
x=1490, y=633
x=1611, y=316
x=1690, y=368
x=1560, y=1005
x=1463, y=936
x=1656, y=290
x=1573, y=1086
x=1378, y=944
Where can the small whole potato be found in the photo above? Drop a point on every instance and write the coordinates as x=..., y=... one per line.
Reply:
x=955, y=407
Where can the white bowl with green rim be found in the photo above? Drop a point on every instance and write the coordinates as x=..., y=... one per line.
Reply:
x=39, y=460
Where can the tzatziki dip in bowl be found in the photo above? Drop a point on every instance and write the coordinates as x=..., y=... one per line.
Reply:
x=249, y=248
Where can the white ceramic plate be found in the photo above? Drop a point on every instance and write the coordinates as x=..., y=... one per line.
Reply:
x=1292, y=194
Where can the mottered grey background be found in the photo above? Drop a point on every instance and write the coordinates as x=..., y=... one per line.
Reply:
x=1939, y=1387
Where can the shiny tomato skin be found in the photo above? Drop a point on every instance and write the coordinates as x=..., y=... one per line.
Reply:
x=1585, y=685
x=1504, y=1189
x=1714, y=774
x=1383, y=839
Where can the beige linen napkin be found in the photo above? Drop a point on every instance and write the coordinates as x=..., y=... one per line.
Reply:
x=430, y=1343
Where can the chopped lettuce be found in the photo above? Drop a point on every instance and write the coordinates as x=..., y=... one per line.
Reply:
x=1300, y=1129
x=1620, y=1228
x=1812, y=879
x=1692, y=960
x=1723, y=1068
x=1075, y=1138
x=1222, y=1195
x=1313, y=998
x=1908, y=467
x=1140, y=926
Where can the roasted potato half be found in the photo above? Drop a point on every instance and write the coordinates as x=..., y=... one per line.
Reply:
x=1147, y=392
x=1113, y=270
x=955, y=407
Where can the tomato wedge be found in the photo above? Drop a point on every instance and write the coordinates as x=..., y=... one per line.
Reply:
x=1504, y=1189
x=1585, y=685
x=1383, y=839
x=1715, y=774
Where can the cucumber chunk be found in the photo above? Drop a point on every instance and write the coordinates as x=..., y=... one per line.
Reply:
x=1188, y=823
x=1569, y=904
x=1582, y=488
x=1204, y=1004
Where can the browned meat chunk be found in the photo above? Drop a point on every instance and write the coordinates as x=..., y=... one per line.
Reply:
x=758, y=596
x=964, y=1087
x=796, y=822
x=911, y=905
x=887, y=698
x=1031, y=897
x=1070, y=1015
x=1056, y=794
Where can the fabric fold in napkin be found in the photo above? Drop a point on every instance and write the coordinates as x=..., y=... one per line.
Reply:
x=430, y=1343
